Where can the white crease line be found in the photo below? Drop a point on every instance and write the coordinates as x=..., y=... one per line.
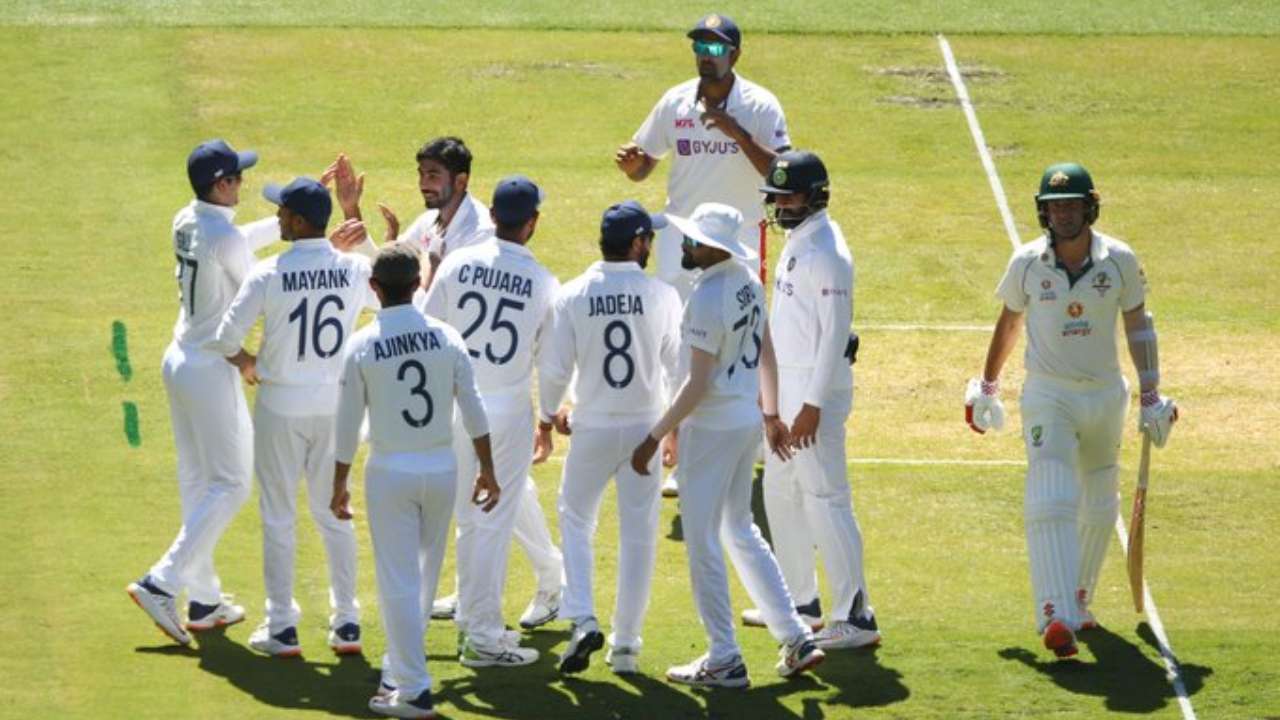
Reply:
x=928, y=327
x=1157, y=627
x=1153, y=615
x=962, y=93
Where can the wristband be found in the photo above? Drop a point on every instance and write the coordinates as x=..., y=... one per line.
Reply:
x=991, y=388
x=1150, y=397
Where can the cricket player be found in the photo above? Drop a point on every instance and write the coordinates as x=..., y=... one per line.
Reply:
x=619, y=328
x=211, y=426
x=407, y=370
x=456, y=219
x=722, y=131
x=807, y=498
x=310, y=296
x=499, y=297
x=731, y=377
x=1069, y=286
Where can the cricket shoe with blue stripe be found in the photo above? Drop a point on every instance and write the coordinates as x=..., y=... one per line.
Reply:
x=201, y=617
x=702, y=673
x=345, y=639
x=798, y=656
x=282, y=644
x=860, y=631
x=160, y=606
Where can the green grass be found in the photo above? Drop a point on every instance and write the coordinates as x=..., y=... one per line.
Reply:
x=1177, y=131
x=1170, y=17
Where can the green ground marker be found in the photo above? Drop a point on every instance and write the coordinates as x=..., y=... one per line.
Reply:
x=131, y=424
x=120, y=348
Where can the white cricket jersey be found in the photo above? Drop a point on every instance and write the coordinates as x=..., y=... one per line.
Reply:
x=813, y=306
x=471, y=225
x=620, y=328
x=310, y=296
x=213, y=257
x=499, y=297
x=725, y=316
x=706, y=165
x=408, y=370
x=1071, y=329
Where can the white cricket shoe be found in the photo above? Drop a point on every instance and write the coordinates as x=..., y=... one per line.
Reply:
x=201, y=617
x=702, y=673
x=445, y=608
x=393, y=704
x=843, y=634
x=542, y=609
x=504, y=655
x=345, y=639
x=623, y=660
x=282, y=644
x=794, y=658
x=585, y=639
x=670, y=488
x=161, y=606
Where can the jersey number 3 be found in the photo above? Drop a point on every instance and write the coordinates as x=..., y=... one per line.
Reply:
x=420, y=389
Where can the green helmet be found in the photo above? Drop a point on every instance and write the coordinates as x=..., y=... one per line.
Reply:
x=1065, y=181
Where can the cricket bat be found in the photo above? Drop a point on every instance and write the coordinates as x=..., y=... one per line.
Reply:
x=1137, y=521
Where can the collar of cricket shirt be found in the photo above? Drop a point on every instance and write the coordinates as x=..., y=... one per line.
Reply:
x=227, y=212
x=618, y=265
x=309, y=243
x=808, y=227
x=397, y=310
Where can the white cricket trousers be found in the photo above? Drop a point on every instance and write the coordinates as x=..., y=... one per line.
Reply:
x=809, y=504
x=214, y=440
x=484, y=539
x=595, y=455
x=285, y=449
x=409, y=497
x=715, y=508
x=1072, y=433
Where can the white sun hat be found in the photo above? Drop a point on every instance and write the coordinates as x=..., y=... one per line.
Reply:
x=716, y=225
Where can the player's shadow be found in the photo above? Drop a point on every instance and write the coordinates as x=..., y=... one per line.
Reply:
x=341, y=687
x=1127, y=679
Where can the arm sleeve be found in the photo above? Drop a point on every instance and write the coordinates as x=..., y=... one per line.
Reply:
x=241, y=316
x=235, y=257
x=368, y=248
x=467, y=395
x=1011, y=288
x=540, y=335
x=771, y=128
x=833, y=305
x=555, y=365
x=351, y=406
x=434, y=302
x=702, y=327
x=260, y=233
x=653, y=136
x=1133, y=290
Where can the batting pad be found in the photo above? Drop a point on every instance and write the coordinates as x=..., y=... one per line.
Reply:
x=1099, y=505
x=1049, y=511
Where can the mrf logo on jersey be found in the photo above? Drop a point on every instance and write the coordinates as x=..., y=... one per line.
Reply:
x=684, y=123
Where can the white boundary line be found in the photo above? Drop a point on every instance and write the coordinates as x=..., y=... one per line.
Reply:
x=903, y=461
x=984, y=154
x=928, y=327
x=1162, y=640
x=1153, y=614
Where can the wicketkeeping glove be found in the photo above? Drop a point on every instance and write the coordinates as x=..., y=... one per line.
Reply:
x=1158, y=415
x=982, y=407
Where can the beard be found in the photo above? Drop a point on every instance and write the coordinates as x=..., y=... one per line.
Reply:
x=643, y=260
x=1067, y=230
x=713, y=68
x=686, y=260
x=441, y=199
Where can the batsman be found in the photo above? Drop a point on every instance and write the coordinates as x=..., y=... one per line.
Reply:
x=1071, y=284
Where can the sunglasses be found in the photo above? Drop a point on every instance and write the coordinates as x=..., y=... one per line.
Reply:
x=710, y=48
x=689, y=242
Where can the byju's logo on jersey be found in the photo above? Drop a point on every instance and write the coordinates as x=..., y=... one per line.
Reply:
x=706, y=147
x=1101, y=283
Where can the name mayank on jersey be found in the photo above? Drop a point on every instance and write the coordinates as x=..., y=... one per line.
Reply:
x=325, y=279
x=404, y=344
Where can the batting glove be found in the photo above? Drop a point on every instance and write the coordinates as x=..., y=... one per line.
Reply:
x=982, y=407
x=1158, y=415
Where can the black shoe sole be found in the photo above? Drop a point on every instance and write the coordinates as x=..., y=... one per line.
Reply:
x=581, y=658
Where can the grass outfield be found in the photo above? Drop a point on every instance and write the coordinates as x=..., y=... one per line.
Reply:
x=1177, y=130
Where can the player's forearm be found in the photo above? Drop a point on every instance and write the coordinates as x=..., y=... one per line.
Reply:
x=695, y=387
x=1140, y=331
x=484, y=453
x=260, y=233
x=368, y=248
x=551, y=390
x=1003, y=341
x=758, y=155
x=768, y=374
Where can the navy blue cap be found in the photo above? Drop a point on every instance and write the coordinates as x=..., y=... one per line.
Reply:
x=722, y=26
x=214, y=160
x=625, y=220
x=305, y=197
x=515, y=200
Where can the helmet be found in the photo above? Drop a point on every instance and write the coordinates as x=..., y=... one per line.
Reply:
x=797, y=171
x=1065, y=181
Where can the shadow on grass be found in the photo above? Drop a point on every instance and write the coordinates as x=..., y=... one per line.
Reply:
x=341, y=687
x=1123, y=675
x=847, y=679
